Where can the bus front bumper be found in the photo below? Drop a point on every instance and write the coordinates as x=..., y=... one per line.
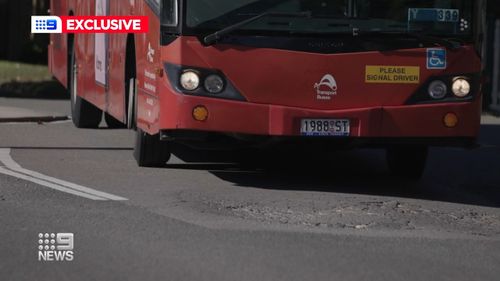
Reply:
x=408, y=121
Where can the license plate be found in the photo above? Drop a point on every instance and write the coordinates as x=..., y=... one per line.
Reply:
x=325, y=127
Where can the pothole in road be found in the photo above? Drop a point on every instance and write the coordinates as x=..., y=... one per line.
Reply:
x=364, y=215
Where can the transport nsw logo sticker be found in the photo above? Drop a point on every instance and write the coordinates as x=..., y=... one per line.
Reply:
x=151, y=53
x=326, y=88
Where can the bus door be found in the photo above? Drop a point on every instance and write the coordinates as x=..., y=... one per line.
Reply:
x=101, y=53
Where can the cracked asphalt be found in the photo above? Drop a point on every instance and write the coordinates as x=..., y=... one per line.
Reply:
x=331, y=216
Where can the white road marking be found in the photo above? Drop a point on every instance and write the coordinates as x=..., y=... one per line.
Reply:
x=48, y=184
x=11, y=168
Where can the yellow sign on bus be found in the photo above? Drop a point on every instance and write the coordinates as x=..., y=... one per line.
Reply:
x=392, y=74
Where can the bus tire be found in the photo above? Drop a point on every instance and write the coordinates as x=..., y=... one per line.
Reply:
x=150, y=151
x=407, y=162
x=83, y=113
x=113, y=123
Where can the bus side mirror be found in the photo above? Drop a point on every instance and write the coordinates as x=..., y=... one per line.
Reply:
x=169, y=21
x=169, y=13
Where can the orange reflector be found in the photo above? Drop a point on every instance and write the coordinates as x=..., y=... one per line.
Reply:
x=200, y=113
x=450, y=120
x=159, y=72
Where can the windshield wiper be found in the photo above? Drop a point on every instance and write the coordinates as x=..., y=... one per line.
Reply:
x=214, y=37
x=447, y=43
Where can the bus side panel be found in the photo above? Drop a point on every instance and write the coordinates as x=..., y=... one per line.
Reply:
x=116, y=92
x=149, y=72
x=146, y=45
x=85, y=51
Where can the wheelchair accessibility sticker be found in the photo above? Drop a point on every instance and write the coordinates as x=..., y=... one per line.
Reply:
x=436, y=58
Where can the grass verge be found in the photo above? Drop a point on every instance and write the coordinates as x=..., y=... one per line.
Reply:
x=21, y=80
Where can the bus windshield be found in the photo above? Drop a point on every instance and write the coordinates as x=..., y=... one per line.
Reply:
x=451, y=18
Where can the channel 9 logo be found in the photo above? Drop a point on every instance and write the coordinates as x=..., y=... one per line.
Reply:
x=46, y=24
x=56, y=246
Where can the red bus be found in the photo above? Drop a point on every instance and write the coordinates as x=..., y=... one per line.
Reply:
x=402, y=75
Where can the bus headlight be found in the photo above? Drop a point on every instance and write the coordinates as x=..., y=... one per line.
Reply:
x=461, y=87
x=437, y=90
x=190, y=80
x=214, y=84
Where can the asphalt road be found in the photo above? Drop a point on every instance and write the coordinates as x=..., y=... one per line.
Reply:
x=343, y=218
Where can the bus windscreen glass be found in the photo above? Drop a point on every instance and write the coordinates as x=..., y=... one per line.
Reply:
x=452, y=18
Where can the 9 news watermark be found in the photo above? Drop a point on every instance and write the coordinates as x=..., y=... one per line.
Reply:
x=89, y=24
x=56, y=247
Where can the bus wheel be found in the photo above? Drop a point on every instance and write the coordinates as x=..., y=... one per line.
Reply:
x=407, y=162
x=113, y=123
x=150, y=151
x=83, y=113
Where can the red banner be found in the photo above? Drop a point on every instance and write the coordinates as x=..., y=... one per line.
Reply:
x=105, y=24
